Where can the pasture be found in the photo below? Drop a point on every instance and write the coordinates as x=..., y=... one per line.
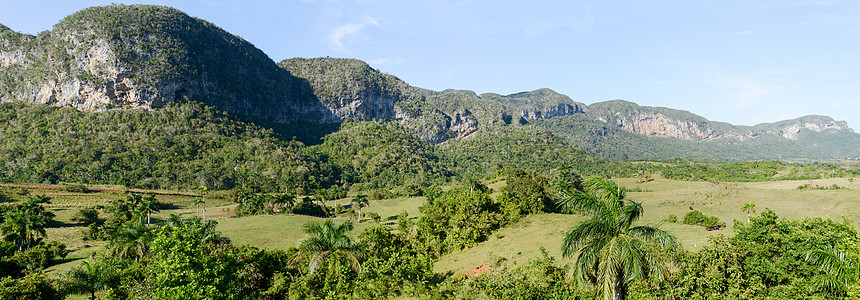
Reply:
x=514, y=244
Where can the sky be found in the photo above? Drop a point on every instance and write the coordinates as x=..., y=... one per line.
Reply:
x=742, y=62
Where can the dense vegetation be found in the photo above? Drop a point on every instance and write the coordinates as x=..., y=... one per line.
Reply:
x=399, y=141
x=180, y=146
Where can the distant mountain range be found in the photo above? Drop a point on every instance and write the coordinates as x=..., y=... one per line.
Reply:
x=145, y=57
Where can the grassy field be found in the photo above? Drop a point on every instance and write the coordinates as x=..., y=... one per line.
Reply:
x=514, y=244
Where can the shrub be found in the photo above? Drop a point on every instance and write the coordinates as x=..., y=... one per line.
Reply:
x=696, y=217
x=672, y=218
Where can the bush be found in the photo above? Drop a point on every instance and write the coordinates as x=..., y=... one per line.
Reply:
x=380, y=194
x=88, y=215
x=672, y=218
x=696, y=217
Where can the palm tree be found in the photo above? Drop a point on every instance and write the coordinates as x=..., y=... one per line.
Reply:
x=148, y=206
x=91, y=277
x=328, y=240
x=284, y=200
x=131, y=240
x=748, y=208
x=360, y=201
x=841, y=270
x=197, y=202
x=203, y=191
x=608, y=249
x=22, y=227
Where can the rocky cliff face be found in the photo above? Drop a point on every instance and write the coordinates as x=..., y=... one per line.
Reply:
x=145, y=57
x=664, y=122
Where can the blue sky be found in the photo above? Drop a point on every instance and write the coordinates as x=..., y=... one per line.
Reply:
x=743, y=62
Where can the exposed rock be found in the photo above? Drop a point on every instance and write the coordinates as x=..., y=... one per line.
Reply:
x=665, y=122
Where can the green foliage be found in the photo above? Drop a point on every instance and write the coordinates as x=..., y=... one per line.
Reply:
x=185, y=264
x=752, y=171
x=87, y=216
x=31, y=287
x=26, y=222
x=671, y=218
x=817, y=187
x=526, y=193
x=381, y=155
x=309, y=207
x=765, y=259
x=540, y=279
x=179, y=146
x=525, y=147
x=459, y=218
x=696, y=217
x=91, y=276
x=609, y=251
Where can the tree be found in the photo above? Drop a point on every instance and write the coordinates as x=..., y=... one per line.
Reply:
x=131, y=240
x=203, y=191
x=284, y=200
x=360, y=201
x=91, y=277
x=329, y=240
x=841, y=269
x=748, y=208
x=23, y=228
x=197, y=202
x=608, y=249
x=148, y=206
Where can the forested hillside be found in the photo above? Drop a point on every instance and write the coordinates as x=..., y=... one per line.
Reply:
x=142, y=56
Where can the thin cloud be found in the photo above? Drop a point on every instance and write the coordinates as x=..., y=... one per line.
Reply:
x=350, y=32
x=744, y=90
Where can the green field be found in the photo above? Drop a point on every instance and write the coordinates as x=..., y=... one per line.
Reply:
x=514, y=244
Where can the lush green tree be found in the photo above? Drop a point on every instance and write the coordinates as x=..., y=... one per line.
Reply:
x=457, y=219
x=30, y=287
x=525, y=193
x=284, y=201
x=359, y=201
x=187, y=262
x=90, y=277
x=23, y=228
x=768, y=258
x=130, y=241
x=841, y=269
x=748, y=208
x=147, y=206
x=607, y=248
x=330, y=242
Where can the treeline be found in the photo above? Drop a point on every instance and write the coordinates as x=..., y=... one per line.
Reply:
x=188, y=145
x=179, y=146
x=750, y=171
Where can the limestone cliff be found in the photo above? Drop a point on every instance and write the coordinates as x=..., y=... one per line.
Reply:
x=665, y=122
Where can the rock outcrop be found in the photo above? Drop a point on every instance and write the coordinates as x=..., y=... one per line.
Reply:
x=665, y=122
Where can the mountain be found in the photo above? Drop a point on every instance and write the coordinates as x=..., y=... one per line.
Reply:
x=141, y=56
x=624, y=130
x=149, y=57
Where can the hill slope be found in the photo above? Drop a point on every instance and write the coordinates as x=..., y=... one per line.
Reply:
x=141, y=56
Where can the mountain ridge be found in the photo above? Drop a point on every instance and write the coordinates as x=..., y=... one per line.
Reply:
x=144, y=57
